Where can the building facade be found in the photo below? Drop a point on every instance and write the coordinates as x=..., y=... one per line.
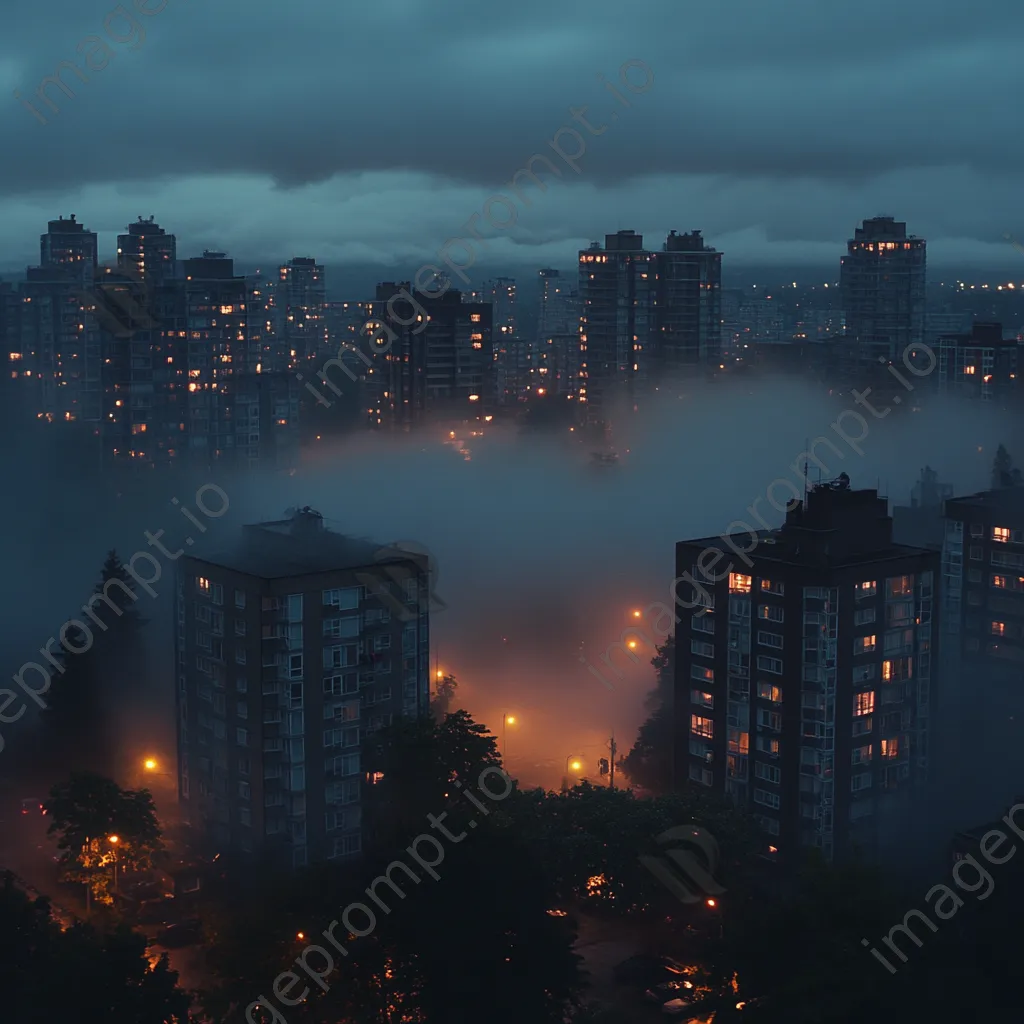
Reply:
x=689, y=305
x=804, y=675
x=291, y=651
x=983, y=643
x=882, y=278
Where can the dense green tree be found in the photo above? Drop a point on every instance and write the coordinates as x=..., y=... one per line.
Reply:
x=86, y=812
x=1004, y=474
x=444, y=697
x=591, y=837
x=649, y=762
x=469, y=936
x=417, y=762
x=54, y=976
x=77, y=731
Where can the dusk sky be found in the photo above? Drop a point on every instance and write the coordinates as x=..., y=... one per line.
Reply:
x=370, y=133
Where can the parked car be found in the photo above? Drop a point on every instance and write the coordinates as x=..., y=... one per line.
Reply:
x=188, y=933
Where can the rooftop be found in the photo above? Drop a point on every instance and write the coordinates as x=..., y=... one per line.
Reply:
x=300, y=545
x=833, y=526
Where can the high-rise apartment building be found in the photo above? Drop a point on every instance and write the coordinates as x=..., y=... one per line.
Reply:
x=147, y=252
x=302, y=306
x=440, y=367
x=804, y=674
x=689, y=305
x=646, y=316
x=510, y=378
x=555, y=358
x=291, y=651
x=983, y=643
x=69, y=245
x=978, y=364
x=59, y=347
x=618, y=295
x=882, y=278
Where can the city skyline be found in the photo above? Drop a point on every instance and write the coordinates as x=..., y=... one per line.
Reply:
x=735, y=163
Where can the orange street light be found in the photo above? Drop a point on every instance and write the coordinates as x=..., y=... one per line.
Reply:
x=149, y=764
x=114, y=839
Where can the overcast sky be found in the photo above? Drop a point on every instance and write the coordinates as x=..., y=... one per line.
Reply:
x=370, y=132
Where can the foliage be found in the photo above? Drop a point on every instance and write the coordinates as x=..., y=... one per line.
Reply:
x=594, y=833
x=1004, y=474
x=475, y=941
x=77, y=731
x=52, y=976
x=444, y=695
x=419, y=760
x=649, y=762
x=85, y=813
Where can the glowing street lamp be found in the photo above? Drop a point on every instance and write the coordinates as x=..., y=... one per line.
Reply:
x=114, y=840
x=506, y=719
x=149, y=764
x=573, y=762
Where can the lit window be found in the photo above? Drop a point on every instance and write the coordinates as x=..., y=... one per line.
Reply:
x=203, y=584
x=865, y=644
x=867, y=589
x=702, y=726
x=863, y=703
x=1001, y=534
x=769, y=691
x=891, y=748
x=700, y=697
x=739, y=584
x=969, y=370
x=999, y=628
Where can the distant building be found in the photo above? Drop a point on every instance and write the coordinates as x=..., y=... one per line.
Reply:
x=301, y=303
x=979, y=364
x=983, y=645
x=511, y=351
x=804, y=675
x=882, y=278
x=147, y=252
x=67, y=244
x=437, y=368
x=618, y=293
x=291, y=651
x=689, y=305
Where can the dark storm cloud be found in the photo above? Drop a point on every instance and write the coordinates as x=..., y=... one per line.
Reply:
x=851, y=103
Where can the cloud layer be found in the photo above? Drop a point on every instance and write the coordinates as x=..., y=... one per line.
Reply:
x=371, y=133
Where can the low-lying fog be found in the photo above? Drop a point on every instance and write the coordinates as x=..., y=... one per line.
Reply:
x=542, y=554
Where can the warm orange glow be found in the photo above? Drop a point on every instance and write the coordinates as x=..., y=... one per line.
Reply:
x=739, y=584
x=636, y=615
x=150, y=764
x=114, y=839
x=631, y=644
x=300, y=936
x=575, y=766
x=711, y=902
x=511, y=719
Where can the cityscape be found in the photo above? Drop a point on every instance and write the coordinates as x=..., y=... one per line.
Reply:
x=608, y=610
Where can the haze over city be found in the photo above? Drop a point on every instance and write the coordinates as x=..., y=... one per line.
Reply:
x=516, y=514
